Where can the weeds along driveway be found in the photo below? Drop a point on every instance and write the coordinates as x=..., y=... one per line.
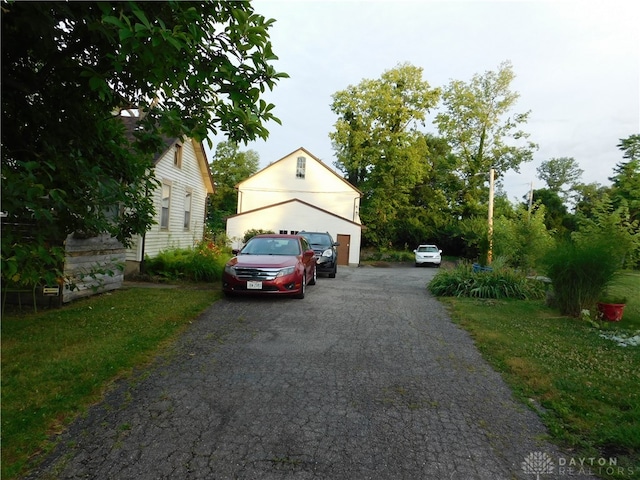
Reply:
x=366, y=378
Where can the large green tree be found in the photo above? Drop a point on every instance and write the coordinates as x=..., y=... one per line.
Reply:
x=229, y=167
x=478, y=122
x=631, y=147
x=586, y=195
x=626, y=177
x=379, y=145
x=558, y=172
x=427, y=217
x=68, y=68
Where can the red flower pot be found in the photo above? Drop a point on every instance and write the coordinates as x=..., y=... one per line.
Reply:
x=611, y=312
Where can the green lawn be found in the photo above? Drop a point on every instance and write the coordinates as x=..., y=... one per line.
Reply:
x=57, y=362
x=587, y=384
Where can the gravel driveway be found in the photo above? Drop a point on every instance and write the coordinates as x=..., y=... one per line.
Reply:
x=366, y=378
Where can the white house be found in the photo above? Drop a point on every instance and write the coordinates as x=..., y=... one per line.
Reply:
x=180, y=201
x=299, y=192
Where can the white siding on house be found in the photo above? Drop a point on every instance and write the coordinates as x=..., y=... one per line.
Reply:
x=295, y=216
x=189, y=178
x=320, y=186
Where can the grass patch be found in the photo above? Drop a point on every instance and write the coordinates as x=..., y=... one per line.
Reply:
x=586, y=384
x=55, y=363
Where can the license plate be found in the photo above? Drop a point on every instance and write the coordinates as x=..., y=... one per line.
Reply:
x=254, y=285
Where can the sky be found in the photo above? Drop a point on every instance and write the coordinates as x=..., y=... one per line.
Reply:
x=577, y=67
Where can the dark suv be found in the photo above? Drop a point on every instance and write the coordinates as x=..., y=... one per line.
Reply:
x=325, y=249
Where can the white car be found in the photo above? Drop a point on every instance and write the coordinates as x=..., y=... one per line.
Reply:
x=429, y=254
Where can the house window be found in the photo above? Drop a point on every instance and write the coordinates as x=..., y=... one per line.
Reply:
x=177, y=155
x=187, y=209
x=166, y=202
x=301, y=167
x=294, y=232
x=283, y=232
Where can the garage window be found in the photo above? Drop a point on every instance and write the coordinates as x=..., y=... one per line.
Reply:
x=301, y=167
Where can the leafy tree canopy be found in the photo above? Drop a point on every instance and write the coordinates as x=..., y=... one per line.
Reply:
x=478, y=124
x=626, y=178
x=424, y=219
x=68, y=68
x=612, y=226
x=556, y=212
x=586, y=194
x=557, y=172
x=522, y=240
x=378, y=143
x=631, y=147
x=229, y=167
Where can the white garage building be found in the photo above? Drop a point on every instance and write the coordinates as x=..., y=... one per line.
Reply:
x=299, y=192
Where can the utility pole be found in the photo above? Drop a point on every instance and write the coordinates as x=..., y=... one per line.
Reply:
x=491, y=181
x=530, y=198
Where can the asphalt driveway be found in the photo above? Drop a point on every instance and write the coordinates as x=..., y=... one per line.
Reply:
x=366, y=378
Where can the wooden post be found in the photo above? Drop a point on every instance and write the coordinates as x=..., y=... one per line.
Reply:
x=491, y=187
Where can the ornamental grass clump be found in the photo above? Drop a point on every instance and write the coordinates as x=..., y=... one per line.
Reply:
x=580, y=273
x=499, y=283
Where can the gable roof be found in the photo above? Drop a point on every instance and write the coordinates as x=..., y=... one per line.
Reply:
x=131, y=122
x=201, y=157
x=355, y=189
x=297, y=200
x=203, y=164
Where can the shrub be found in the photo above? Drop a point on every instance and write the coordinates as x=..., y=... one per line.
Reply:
x=475, y=234
x=462, y=281
x=522, y=240
x=615, y=227
x=202, y=263
x=580, y=272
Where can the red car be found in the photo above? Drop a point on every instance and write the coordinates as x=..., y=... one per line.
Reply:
x=271, y=264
